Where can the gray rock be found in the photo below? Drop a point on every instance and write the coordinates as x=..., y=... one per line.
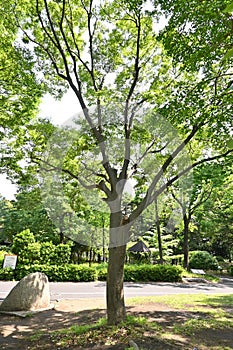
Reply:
x=29, y=294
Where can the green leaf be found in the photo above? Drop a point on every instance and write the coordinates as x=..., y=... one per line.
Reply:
x=228, y=55
x=229, y=8
x=230, y=143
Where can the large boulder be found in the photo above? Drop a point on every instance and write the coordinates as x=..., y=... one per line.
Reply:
x=29, y=294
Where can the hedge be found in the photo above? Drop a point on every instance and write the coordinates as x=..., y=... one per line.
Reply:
x=6, y=274
x=84, y=273
x=59, y=273
x=153, y=273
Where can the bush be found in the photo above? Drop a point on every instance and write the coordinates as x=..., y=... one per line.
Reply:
x=102, y=273
x=85, y=273
x=203, y=260
x=6, y=274
x=61, y=254
x=31, y=252
x=25, y=246
x=46, y=252
x=153, y=273
x=60, y=273
x=21, y=241
x=2, y=255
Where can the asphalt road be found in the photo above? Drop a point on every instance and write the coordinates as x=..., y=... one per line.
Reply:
x=92, y=290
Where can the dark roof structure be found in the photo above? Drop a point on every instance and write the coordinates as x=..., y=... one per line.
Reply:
x=139, y=247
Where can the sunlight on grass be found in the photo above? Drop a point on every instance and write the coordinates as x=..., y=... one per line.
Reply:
x=191, y=327
x=101, y=333
x=207, y=276
x=196, y=302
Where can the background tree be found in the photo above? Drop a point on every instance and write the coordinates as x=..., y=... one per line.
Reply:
x=214, y=219
x=27, y=212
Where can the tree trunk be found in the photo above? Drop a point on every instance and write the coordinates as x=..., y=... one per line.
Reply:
x=115, y=280
x=186, y=241
x=115, y=289
x=61, y=237
x=157, y=222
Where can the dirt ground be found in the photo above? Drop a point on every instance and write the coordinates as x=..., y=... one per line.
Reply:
x=15, y=330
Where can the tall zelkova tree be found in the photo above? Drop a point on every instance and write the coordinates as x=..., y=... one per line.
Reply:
x=107, y=52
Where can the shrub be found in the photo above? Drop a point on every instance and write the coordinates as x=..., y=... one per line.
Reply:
x=2, y=255
x=21, y=241
x=84, y=273
x=60, y=273
x=25, y=246
x=61, y=254
x=102, y=273
x=6, y=274
x=47, y=250
x=30, y=254
x=154, y=273
x=203, y=260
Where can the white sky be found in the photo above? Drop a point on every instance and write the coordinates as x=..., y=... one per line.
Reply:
x=59, y=111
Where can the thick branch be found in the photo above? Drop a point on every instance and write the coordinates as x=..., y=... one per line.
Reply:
x=65, y=171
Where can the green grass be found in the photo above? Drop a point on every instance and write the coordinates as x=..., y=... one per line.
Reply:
x=208, y=276
x=191, y=327
x=101, y=333
x=187, y=301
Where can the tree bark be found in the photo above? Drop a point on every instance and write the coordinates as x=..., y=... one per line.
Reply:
x=115, y=289
x=186, y=241
x=115, y=279
x=157, y=222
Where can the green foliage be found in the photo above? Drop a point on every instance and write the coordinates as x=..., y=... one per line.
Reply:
x=102, y=271
x=2, y=254
x=60, y=273
x=85, y=273
x=61, y=254
x=25, y=246
x=203, y=260
x=31, y=252
x=230, y=270
x=27, y=212
x=155, y=273
x=22, y=240
x=229, y=8
x=6, y=274
x=47, y=250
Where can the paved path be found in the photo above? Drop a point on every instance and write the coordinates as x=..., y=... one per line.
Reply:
x=92, y=290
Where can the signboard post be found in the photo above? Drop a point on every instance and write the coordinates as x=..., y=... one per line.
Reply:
x=10, y=261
